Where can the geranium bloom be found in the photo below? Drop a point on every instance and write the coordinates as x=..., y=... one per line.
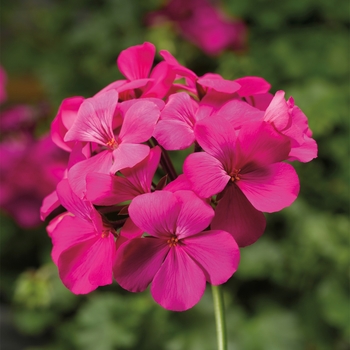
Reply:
x=176, y=255
x=83, y=247
x=247, y=168
x=29, y=170
x=110, y=189
x=203, y=25
x=96, y=122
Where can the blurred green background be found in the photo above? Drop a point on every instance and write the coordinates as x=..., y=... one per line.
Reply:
x=292, y=287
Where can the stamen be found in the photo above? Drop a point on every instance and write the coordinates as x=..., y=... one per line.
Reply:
x=172, y=242
x=113, y=144
x=234, y=175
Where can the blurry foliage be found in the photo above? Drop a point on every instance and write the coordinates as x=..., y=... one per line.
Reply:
x=292, y=287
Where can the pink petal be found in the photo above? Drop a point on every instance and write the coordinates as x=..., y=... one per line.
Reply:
x=236, y=215
x=218, y=138
x=80, y=208
x=176, y=66
x=180, y=183
x=217, y=83
x=252, y=86
x=305, y=152
x=69, y=231
x=94, y=120
x=141, y=175
x=101, y=163
x=216, y=252
x=260, y=144
x=130, y=230
x=87, y=265
x=173, y=134
x=128, y=155
x=163, y=77
x=136, y=62
x=195, y=215
x=156, y=213
x=107, y=189
x=63, y=121
x=205, y=174
x=238, y=113
x=50, y=203
x=180, y=282
x=139, y=122
x=271, y=188
x=277, y=113
x=137, y=261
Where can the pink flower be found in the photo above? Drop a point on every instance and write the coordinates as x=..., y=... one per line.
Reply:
x=289, y=120
x=135, y=63
x=203, y=25
x=96, y=120
x=110, y=189
x=66, y=115
x=29, y=170
x=247, y=169
x=83, y=247
x=3, y=79
x=176, y=255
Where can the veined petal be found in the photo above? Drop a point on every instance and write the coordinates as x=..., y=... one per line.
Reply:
x=238, y=113
x=101, y=163
x=68, y=232
x=141, y=175
x=50, y=203
x=80, y=208
x=94, y=120
x=63, y=121
x=205, y=173
x=218, y=138
x=108, y=189
x=216, y=252
x=139, y=122
x=128, y=155
x=156, y=213
x=277, y=113
x=174, y=134
x=180, y=282
x=270, y=188
x=260, y=144
x=217, y=83
x=236, y=215
x=87, y=265
x=195, y=215
x=137, y=261
x=252, y=86
x=305, y=152
x=136, y=62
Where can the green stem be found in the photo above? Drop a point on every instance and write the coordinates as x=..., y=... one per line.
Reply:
x=219, y=317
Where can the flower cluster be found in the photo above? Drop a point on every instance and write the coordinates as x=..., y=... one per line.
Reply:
x=202, y=24
x=30, y=168
x=125, y=213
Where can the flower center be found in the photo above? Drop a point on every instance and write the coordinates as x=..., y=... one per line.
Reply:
x=234, y=175
x=172, y=241
x=112, y=144
x=106, y=231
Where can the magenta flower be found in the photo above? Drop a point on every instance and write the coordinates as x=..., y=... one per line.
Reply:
x=204, y=25
x=246, y=171
x=176, y=255
x=29, y=170
x=96, y=120
x=83, y=247
x=109, y=189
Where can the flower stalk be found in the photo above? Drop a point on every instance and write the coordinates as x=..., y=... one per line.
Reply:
x=219, y=309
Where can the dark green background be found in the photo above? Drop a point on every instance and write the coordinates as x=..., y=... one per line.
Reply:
x=292, y=287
